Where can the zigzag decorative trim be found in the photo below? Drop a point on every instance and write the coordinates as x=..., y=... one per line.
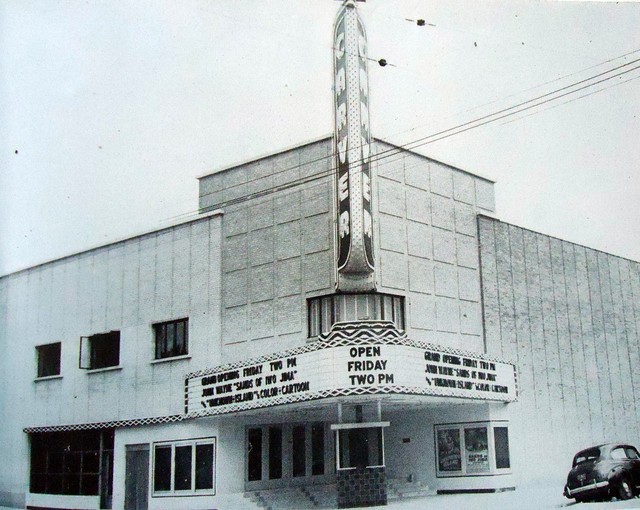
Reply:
x=341, y=334
x=106, y=424
x=392, y=389
x=350, y=333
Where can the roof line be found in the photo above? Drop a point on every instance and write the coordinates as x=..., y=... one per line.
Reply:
x=482, y=215
x=453, y=167
x=329, y=136
x=265, y=156
x=216, y=212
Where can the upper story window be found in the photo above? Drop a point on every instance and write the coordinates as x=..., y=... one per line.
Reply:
x=171, y=338
x=325, y=311
x=100, y=351
x=49, y=359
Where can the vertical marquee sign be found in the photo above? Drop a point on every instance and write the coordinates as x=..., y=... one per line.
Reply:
x=355, y=263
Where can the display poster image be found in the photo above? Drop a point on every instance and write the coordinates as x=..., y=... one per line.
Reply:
x=449, y=457
x=476, y=448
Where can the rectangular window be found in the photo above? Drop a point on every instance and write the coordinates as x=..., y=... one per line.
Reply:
x=360, y=447
x=299, y=453
x=68, y=463
x=275, y=453
x=100, y=351
x=501, y=435
x=204, y=466
x=49, y=359
x=184, y=468
x=472, y=449
x=171, y=338
x=162, y=469
x=317, y=449
x=323, y=312
x=254, y=440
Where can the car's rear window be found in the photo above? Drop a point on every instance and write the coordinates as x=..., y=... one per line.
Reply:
x=586, y=455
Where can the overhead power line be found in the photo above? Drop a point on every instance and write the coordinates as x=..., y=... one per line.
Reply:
x=440, y=135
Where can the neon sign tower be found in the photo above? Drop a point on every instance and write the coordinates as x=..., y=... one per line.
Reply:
x=354, y=246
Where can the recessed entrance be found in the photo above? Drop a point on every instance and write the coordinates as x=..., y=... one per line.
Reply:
x=288, y=453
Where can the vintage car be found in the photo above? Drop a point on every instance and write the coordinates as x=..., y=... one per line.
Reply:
x=603, y=472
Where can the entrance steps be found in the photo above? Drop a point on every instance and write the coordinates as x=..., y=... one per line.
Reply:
x=312, y=496
x=325, y=496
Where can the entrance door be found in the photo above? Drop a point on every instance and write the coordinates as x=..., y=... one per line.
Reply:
x=284, y=454
x=136, y=495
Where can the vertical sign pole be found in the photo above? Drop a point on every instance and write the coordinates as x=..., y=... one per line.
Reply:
x=354, y=253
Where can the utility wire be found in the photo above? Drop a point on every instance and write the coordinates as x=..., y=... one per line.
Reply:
x=467, y=126
x=570, y=100
x=552, y=81
x=479, y=119
x=418, y=142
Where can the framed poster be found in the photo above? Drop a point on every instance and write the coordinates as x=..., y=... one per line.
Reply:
x=472, y=449
x=449, y=455
x=476, y=449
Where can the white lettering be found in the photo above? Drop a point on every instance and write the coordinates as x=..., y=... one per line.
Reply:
x=364, y=84
x=362, y=46
x=344, y=224
x=341, y=117
x=364, y=116
x=364, y=145
x=366, y=187
x=342, y=149
x=343, y=187
x=341, y=81
x=367, y=223
x=340, y=45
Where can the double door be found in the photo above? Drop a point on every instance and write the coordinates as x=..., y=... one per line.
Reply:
x=288, y=454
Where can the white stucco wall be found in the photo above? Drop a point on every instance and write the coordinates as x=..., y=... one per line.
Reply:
x=125, y=286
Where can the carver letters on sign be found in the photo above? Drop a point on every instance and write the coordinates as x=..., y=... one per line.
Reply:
x=355, y=262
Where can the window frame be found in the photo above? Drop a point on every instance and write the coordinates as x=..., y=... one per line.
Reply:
x=324, y=311
x=465, y=471
x=193, y=491
x=64, y=446
x=158, y=326
x=88, y=345
x=635, y=456
x=39, y=358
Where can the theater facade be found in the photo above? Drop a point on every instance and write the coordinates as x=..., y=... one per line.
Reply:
x=343, y=317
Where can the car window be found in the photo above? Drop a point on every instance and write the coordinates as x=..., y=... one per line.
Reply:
x=632, y=453
x=586, y=455
x=618, y=453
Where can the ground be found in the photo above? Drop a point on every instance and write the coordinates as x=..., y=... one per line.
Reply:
x=523, y=499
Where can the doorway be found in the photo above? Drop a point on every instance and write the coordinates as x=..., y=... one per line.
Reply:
x=136, y=495
x=288, y=454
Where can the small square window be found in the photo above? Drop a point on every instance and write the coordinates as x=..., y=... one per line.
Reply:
x=49, y=359
x=100, y=351
x=171, y=338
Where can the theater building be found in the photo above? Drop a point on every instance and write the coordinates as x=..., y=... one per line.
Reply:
x=346, y=322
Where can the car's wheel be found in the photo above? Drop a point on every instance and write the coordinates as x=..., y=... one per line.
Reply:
x=625, y=490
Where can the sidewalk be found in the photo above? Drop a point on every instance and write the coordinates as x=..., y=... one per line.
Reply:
x=522, y=499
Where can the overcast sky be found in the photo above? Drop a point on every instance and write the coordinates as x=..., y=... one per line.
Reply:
x=110, y=109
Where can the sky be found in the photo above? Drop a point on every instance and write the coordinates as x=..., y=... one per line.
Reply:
x=109, y=111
